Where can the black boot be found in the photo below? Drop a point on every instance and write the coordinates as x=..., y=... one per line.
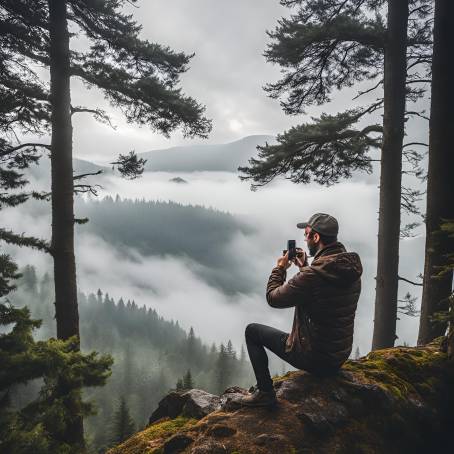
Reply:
x=259, y=399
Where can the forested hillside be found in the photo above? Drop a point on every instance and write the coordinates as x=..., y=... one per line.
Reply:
x=168, y=228
x=151, y=354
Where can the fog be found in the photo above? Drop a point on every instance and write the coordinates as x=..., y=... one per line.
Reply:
x=170, y=284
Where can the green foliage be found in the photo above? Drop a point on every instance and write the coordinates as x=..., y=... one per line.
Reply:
x=123, y=424
x=8, y=271
x=130, y=166
x=319, y=52
x=328, y=149
x=446, y=316
x=188, y=382
x=179, y=386
x=38, y=426
x=141, y=442
x=327, y=45
x=150, y=354
x=226, y=367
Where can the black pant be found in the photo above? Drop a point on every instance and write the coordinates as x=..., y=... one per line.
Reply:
x=260, y=336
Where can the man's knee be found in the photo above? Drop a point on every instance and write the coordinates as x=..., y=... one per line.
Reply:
x=251, y=331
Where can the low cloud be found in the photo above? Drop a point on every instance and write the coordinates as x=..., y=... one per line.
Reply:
x=173, y=286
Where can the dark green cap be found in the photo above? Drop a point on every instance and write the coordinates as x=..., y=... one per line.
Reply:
x=322, y=223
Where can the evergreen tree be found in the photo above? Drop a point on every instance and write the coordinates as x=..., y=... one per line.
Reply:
x=230, y=350
x=188, y=382
x=191, y=346
x=242, y=354
x=222, y=370
x=357, y=353
x=137, y=76
x=395, y=73
x=332, y=44
x=440, y=184
x=29, y=279
x=179, y=386
x=40, y=426
x=445, y=317
x=123, y=424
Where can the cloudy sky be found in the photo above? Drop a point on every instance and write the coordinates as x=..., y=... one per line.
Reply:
x=226, y=74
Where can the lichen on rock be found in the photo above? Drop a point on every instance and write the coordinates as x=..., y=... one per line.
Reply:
x=394, y=400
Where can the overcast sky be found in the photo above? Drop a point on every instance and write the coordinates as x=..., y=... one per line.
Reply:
x=226, y=74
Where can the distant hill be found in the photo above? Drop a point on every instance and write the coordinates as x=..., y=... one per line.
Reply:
x=191, y=158
x=42, y=171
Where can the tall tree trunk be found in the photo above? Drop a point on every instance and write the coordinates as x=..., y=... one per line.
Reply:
x=440, y=182
x=390, y=179
x=67, y=315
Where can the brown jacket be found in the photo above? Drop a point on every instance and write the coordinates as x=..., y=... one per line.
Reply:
x=325, y=295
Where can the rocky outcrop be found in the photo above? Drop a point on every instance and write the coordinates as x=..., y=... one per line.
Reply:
x=194, y=403
x=395, y=400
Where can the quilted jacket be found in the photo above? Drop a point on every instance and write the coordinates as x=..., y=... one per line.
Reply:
x=325, y=295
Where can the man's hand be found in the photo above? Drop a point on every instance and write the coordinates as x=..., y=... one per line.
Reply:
x=300, y=259
x=283, y=262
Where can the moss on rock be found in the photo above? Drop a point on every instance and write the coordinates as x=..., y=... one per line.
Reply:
x=150, y=440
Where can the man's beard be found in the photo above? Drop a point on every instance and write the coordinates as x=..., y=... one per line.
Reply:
x=312, y=249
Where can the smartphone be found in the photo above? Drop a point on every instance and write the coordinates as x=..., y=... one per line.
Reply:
x=291, y=247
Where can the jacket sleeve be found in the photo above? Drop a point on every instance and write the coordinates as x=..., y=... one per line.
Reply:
x=297, y=291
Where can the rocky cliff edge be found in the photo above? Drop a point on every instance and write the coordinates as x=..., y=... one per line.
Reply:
x=397, y=400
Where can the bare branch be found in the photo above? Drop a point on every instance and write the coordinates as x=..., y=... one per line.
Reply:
x=83, y=175
x=84, y=188
x=417, y=114
x=422, y=144
x=410, y=282
x=369, y=90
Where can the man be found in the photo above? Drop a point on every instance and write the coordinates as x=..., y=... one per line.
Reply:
x=324, y=294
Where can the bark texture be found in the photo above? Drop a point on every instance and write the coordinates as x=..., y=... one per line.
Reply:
x=62, y=244
x=440, y=179
x=390, y=178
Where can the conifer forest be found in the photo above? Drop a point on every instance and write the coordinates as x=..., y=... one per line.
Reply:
x=156, y=157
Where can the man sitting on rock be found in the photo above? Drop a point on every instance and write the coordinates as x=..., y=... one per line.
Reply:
x=324, y=294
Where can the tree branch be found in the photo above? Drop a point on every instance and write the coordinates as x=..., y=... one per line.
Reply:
x=410, y=282
x=83, y=175
x=25, y=145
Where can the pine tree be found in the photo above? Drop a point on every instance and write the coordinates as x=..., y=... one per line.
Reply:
x=179, y=386
x=188, y=382
x=445, y=316
x=440, y=183
x=357, y=353
x=40, y=426
x=123, y=424
x=242, y=355
x=99, y=296
x=332, y=44
x=139, y=77
x=395, y=73
x=222, y=370
x=191, y=346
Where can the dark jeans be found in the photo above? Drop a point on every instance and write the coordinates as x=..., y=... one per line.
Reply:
x=260, y=336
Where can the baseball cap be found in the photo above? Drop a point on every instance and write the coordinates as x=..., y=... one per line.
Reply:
x=322, y=223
